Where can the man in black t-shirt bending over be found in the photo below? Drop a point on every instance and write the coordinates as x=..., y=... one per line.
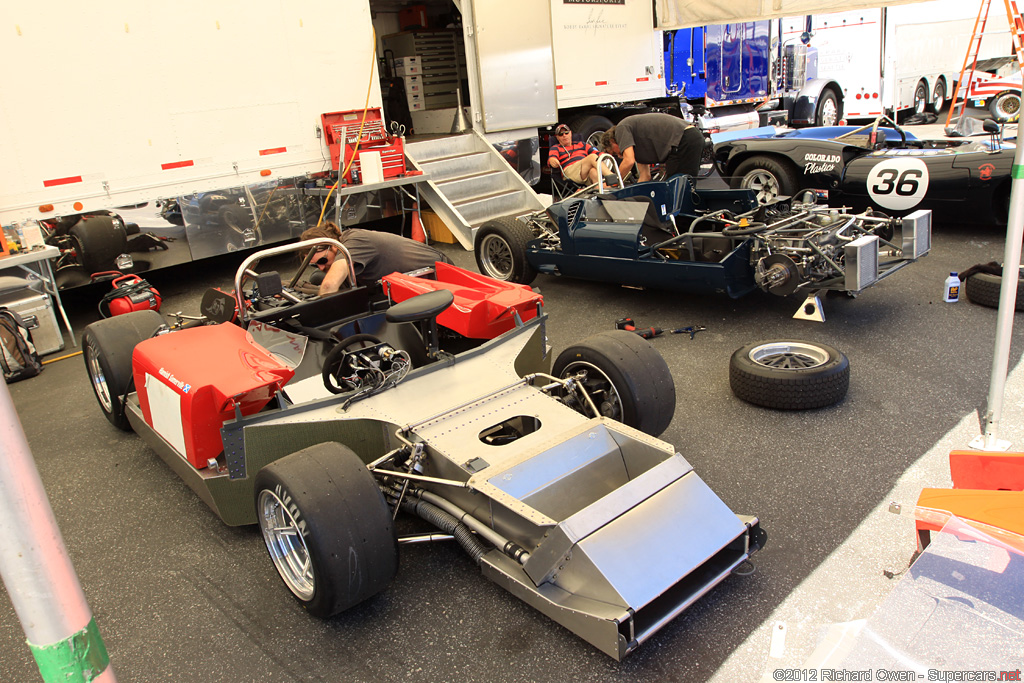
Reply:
x=656, y=138
x=374, y=255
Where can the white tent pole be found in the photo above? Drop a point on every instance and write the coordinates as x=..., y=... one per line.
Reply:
x=988, y=440
x=37, y=571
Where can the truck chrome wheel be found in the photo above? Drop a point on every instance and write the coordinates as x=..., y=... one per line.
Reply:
x=286, y=545
x=496, y=257
x=99, y=380
x=789, y=356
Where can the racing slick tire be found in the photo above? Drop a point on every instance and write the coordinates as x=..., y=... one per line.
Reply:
x=1005, y=107
x=627, y=379
x=98, y=241
x=590, y=128
x=107, y=347
x=828, y=111
x=983, y=289
x=786, y=374
x=327, y=528
x=767, y=177
x=500, y=250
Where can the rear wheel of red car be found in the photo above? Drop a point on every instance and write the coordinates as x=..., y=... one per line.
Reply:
x=327, y=528
x=107, y=347
x=789, y=375
x=767, y=176
x=501, y=250
x=625, y=377
x=983, y=289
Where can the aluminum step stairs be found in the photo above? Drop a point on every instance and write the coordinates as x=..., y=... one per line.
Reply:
x=470, y=183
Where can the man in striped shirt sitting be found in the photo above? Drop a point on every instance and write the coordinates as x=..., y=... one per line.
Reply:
x=577, y=160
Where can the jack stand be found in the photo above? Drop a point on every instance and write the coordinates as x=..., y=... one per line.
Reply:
x=811, y=309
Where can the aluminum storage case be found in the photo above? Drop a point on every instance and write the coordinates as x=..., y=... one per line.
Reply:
x=36, y=309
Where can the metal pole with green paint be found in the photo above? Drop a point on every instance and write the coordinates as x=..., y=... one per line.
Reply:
x=37, y=571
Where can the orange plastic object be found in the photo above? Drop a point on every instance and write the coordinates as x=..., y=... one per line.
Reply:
x=998, y=513
x=189, y=383
x=483, y=307
x=993, y=471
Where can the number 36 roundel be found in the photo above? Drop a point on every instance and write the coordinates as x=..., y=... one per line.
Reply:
x=899, y=183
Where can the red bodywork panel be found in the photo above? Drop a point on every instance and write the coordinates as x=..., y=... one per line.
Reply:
x=483, y=307
x=980, y=470
x=189, y=383
x=986, y=493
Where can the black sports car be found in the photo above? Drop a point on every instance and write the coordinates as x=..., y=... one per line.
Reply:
x=877, y=166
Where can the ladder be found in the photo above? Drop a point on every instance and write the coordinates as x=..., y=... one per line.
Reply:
x=971, y=58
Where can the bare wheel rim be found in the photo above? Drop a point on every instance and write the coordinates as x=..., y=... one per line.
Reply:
x=99, y=380
x=595, y=138
x=789, y=355
x=497, y=257
x=764, y=184
x=829, y=113
x=599, y=386
x=286, y=545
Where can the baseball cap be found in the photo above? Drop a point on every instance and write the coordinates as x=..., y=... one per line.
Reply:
x=562, y=128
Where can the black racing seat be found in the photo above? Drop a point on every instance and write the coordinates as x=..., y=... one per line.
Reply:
x=423, y=310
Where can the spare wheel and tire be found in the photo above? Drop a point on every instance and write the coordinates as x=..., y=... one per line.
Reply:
x=788, y=374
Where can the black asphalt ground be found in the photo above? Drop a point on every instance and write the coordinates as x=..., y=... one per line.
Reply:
x=179, y=596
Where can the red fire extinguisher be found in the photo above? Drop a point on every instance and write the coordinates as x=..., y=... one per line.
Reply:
x=130, y=293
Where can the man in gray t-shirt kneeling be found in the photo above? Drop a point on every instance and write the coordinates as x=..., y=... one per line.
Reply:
x=645, y=139
x=374, y=255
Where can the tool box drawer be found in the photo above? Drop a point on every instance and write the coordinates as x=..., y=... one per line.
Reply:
x=36, y=310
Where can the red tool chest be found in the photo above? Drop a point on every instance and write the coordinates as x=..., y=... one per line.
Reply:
x=341, y=130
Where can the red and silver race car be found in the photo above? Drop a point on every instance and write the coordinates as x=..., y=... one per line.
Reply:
x=318, y=418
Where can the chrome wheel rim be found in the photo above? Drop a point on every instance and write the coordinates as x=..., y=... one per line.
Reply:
x=920, y=100
x=829, y=113
x=1008, y=106
x=496, y=257
x=938, y=97
x=788, y=355
x=764, y=184
x=99, y=380
x=598, y=386
x=286, y=544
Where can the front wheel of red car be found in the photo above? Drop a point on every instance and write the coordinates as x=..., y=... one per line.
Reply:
x=625, y=377
x=327, y=528
x=107, y=347
x=786, y=374
x=500, y=250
